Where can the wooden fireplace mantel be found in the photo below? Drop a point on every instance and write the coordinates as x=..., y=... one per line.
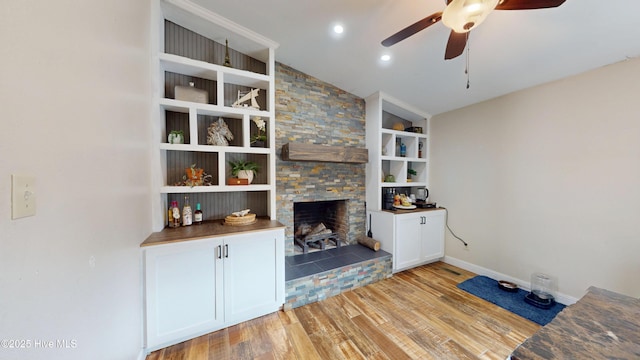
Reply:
x=324, y=153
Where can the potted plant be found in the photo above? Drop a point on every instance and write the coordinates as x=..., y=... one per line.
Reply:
x=243, y=169
x=176, y=137
x=259, y=139
x=410, y=172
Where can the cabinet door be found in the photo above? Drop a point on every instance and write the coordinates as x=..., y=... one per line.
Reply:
x=408, y=251
x=253, y=275
x=183, y=291
x=433, y=235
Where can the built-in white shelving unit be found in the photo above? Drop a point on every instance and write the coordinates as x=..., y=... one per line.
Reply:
x=383, y=143
x=194, y=117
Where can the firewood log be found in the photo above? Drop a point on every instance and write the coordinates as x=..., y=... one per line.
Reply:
x=303, y=229
x=370, y=243
x=316, y=230
x=325, y=231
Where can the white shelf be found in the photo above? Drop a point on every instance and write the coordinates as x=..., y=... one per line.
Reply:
x=186, y=66
x=403, y=133
x=399, y=158
x=210, y=110
x=402, y=184
x=213, y=188
x=215, y=149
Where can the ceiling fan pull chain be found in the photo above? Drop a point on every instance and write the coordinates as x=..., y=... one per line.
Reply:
x=466, y=69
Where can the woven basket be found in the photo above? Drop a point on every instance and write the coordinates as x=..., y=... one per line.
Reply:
x=240, y=220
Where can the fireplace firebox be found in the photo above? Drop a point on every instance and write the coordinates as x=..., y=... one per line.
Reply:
x=320, y=224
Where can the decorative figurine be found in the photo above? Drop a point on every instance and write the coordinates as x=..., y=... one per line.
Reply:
x=241, y=213
x=246, y=96
x=227, y=61
x=219, y=133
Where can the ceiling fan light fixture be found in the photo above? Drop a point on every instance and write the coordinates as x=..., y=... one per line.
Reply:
x=463, y=15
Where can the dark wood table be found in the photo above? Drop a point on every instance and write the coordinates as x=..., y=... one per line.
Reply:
x=601, y=325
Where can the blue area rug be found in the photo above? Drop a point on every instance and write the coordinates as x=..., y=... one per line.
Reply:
x=487, y=289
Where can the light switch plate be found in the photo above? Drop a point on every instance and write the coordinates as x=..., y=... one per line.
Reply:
x=23, y=196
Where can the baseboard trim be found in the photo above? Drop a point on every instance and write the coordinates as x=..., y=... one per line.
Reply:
x=142, y=355
x=526, y=285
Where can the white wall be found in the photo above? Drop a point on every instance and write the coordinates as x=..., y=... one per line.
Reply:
x=75, y=100
x=547, y=179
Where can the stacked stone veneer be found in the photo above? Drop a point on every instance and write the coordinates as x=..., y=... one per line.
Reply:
x=320, y=286
x=311, y=111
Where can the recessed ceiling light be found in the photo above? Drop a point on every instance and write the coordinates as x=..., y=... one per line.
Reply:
x=385, y=57
x=338, y=29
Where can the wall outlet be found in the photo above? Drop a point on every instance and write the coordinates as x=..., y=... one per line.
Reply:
x=23, y=196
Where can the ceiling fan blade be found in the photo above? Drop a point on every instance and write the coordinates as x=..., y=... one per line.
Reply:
x=412, y=29
x=528, y=4
x=456, y=44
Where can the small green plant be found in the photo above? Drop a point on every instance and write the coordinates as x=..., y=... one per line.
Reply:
x=176, y=137
x=236, y=166
x=411, y=172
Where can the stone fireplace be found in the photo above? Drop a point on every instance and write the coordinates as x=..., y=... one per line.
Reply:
x=311, y=111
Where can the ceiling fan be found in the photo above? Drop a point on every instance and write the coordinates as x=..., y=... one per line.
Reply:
x=461, y=16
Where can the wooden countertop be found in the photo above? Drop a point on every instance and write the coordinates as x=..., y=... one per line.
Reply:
x=208, y=229
x=401, y=211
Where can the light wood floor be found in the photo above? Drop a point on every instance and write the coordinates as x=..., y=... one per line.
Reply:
x=416, y=314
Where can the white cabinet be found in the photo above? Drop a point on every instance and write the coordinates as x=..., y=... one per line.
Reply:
x=408, y=238
x=432, y=227
x=199, y=286
x=250, y=265
x=420, y=238
x=183, y=290
x=413, y=238
x=384, y=145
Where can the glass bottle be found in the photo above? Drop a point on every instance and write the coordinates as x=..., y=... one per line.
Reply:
x=403, y=150
x=174, y=219
x=197, y=215
x=187, y=215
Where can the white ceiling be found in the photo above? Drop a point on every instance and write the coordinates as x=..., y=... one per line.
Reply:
x=511, y=50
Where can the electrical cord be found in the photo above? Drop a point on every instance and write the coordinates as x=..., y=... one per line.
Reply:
x=446, y=221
